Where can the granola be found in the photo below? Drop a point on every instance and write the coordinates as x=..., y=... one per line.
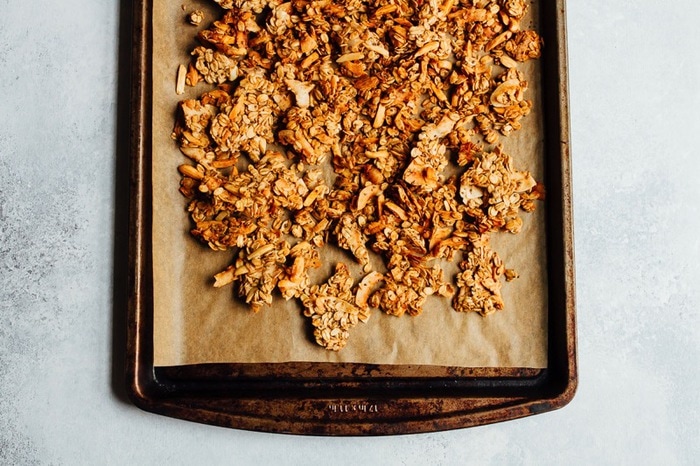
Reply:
x=331, y=310
x=479, y=284
x=374, y=128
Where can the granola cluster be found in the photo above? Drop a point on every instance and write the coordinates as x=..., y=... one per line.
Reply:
x=371, y=127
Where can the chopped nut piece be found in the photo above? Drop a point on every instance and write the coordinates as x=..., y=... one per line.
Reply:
x=379, y=116
x=498, y=40
x=301, y=91
x=427, y=48
x=385, y=10
x=181, y=75
x=367, y=193
x=350, y=57
x=364, y=289
x=193, y=76
x=507, y=61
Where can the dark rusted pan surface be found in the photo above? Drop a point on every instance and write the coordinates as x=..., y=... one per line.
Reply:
x=355, y=399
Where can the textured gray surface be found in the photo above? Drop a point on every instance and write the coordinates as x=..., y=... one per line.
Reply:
x=634, y=98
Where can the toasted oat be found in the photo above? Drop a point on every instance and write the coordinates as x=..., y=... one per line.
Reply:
x=365, y=288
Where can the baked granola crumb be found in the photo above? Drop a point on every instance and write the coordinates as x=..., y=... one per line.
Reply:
x=196, y=17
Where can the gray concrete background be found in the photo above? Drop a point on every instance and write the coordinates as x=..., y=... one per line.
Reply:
x=634, y=98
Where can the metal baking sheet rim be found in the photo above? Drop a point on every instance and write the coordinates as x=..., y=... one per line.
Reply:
x=360, y=399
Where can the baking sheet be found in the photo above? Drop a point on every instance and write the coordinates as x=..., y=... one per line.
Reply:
x=196, y=323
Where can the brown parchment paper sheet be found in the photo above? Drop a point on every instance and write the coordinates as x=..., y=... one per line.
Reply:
x=196, y=323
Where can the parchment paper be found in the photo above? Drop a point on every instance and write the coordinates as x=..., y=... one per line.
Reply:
x=196, y=323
